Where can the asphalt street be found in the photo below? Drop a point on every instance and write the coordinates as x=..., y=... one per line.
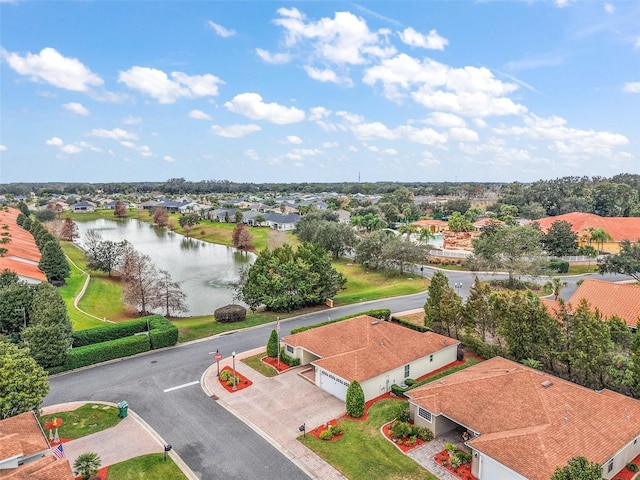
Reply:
x=214, y=443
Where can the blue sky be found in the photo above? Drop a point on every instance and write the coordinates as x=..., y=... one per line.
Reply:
x=265, y=91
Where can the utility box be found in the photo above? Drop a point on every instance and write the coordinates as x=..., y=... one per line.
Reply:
x=123, y=408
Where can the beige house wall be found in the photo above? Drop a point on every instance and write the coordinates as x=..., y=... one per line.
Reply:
x=624, y=456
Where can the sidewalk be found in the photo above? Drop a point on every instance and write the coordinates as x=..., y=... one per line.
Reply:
x=276, y=407
x=131, y=438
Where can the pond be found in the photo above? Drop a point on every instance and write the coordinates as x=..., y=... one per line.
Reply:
x=206, y=270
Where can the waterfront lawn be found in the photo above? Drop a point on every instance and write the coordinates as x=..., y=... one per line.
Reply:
x=193, y=328
x=152, y=465
x=363, y=453
x=365, y=285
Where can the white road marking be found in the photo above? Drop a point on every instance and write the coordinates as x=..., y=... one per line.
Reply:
x=181, y=386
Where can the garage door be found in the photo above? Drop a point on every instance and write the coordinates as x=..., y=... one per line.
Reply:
x=333, y=385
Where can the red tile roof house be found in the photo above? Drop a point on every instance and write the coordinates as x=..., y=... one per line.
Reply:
x=525, y=423
x=608, y=298
x=376, y=353
x=25, y=452
x=23, y=255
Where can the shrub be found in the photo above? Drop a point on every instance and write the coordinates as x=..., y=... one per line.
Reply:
x=225, y=375
x=463, y=456
x=326, y=435
x=403, y=414
x=336, y=430
x=559, y=266
x=230, y=314
x=409, y=382
x=355, y=400
x=450, y=447
x=272, y=345
x=412, y=326
x=162, y=332
x=633, y=467
x=425, y=434
x=400, y=430
x=101, y=352
x=455, y=462
x=291, y=361
x=398, y=391
x=114, y=331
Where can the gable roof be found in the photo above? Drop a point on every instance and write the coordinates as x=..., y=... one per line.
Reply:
x=25, y=431
x=364, y=347
x=23, y=255
x=609, y=298
x=508, y=405
x=45, y=468
x=620, y=228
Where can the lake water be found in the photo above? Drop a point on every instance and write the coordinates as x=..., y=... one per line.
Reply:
x=206, y=270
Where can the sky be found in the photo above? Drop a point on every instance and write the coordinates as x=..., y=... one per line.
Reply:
x=318, y=91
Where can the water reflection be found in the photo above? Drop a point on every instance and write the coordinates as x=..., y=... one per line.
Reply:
x=207, y=271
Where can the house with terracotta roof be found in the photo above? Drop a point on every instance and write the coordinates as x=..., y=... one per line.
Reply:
x=522, y=423
x=22, y=255
x=376, y=353
x=25, y=451
x=620, y=228
x=434, y=226
x=609, y=299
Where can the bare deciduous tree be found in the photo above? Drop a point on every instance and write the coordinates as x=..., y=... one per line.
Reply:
x=170, y=297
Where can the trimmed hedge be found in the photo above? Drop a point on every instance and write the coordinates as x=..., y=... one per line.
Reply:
x=382, y=314
x=230, y=313
x=291, y=361
x=412, y=326
x=101, y=352
x=118, y=340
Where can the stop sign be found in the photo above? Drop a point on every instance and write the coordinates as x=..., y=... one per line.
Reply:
x=217, y=357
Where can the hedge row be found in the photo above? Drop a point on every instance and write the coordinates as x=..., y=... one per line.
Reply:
x=382, y=314
x=412, y=326
x=117, y=340
x=101, y=352
x=291, y=361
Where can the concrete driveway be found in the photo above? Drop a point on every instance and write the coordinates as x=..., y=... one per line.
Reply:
x=276, y=407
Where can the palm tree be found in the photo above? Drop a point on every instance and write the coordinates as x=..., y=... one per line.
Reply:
x=408, y=229
x=426, y=236
x=86, y=465
x=555, y=284
x=599, y=236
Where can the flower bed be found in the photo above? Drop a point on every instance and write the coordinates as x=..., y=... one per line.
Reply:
x=332, y=426
x=463, y=471
x=273, y=362
x=404, y=444
x=225, y=379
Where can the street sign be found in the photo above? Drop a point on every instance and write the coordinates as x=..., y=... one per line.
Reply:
x=217, y=357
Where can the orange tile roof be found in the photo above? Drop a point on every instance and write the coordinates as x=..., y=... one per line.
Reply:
x=45, y=468
x=620, y=228
x=426, y=223
x=21, y=247
x=29, y=434
x=530, y=428
x=609, y=298
x=364, y=347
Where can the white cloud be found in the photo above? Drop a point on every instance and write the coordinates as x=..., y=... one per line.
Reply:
x=294, y=140
x=252, y=106
x=252, y=154
x=373, y=148
x=158, y=85
x=609, y=7
x=432, y=40
x=50, y=66
x=76, y=108
x=390, y=151
x=325, y=75
x=353, y=149
x=220, y=30
x=344, y=39
x=428, y=160
x=273, y=58
x=199, y=115
x=637, y=43
x=235, y=131
x=563, y=3
x=445, y=120
x=71, y=149
x=131, y=120
x=55, y=141
x=115, y=134
x=3, y=148
x=463, y=134
x=473, y=104
x=309, y=152
x=143, y=150
x=316, y=113
x=631, y=87
x=329, y=144
x=168, y=158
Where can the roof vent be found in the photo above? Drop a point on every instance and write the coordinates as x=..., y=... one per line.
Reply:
x=547, y=383
x=375, y=322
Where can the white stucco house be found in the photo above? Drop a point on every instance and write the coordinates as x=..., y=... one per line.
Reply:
x=375, y=353
x=522, y=423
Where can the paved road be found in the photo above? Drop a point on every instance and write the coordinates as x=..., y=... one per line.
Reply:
x=212, y=442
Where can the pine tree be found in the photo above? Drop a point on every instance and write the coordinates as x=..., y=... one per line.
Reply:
x=272, y=345
x=53, y=262
x=355, y=400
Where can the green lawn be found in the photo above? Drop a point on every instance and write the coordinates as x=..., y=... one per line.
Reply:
x=256, y=363
x=85, y=420
x=192, y=328
x=364, y=454
x=580, y=269
x=363, y=285
x=146, y=467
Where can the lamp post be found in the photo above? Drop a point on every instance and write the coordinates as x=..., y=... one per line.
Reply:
x=458, y=286
x=24, y=314
x=233, y=355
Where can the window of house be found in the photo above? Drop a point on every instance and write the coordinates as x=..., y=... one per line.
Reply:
x=289, y=349
x=610, y=466
x=426, y=414
x=406, y=371
x=431, y=358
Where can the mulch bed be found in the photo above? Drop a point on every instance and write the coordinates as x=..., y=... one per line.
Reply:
x=273, y=362
x=242, y=384
x=405, y=444
x=318, y=430
x=463, y=471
